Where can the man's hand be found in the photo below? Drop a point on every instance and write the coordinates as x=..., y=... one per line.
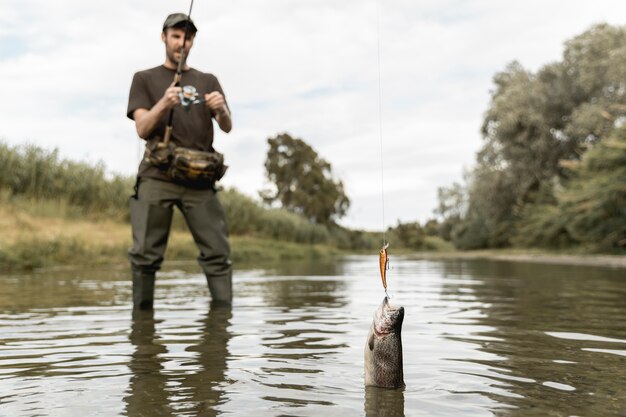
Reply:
x=215, y=101
x=147, y=120
x=171, y=97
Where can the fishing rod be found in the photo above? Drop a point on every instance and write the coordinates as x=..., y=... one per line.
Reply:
x=189, y=94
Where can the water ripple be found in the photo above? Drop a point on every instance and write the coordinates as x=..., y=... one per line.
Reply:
x=480, y=339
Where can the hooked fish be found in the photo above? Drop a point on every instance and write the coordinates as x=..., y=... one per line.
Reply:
x=383, y=350
x=384, y=264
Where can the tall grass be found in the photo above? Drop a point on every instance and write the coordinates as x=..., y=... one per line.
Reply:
x=32, y=172
x=36, y=179
x=36, y=183
x=246, y=217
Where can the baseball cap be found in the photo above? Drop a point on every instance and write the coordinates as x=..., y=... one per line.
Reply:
x=177, y=18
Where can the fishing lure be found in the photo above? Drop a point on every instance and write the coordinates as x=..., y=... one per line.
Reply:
x=384, y=264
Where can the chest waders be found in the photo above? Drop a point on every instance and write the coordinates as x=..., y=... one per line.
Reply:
x=151, y=213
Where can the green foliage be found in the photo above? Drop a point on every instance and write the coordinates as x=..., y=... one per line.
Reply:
x=354, y=239
x=282, y=225
x=590, y=207
x=408, y=235
x=30, y=171
x=469, y=234
x=492, y=208
x=536, y=121
x=451, y=208
x=270, y=251
x=303, y=181
x=35, y=253
x=413, y=236
x=594, y=201
x=437, y=244
x=479, y=214
x=29, y=174
x=40, y=183
x=431, y=227
x=540, y=222
x=244, y=215
x=543, y=226
x=247, y=218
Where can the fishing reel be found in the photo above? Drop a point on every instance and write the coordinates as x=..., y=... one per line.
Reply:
x=189, y=97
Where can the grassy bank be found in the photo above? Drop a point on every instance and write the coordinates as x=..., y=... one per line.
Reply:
x=44, y=233
x=47, y=233
x=55, y=211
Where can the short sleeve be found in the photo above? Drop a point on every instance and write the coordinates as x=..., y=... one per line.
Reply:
x=217, y=87
x=139, y=97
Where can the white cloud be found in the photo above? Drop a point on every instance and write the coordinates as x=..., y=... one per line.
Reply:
x=308, y=68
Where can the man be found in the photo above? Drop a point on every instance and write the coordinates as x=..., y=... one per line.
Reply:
x=152, y=96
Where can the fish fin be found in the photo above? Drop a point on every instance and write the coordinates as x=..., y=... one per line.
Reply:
x=370, y=341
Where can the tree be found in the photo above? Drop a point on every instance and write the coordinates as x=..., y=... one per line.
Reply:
x=451, y=208
x=431, y=227
x=408, y=235
x=541, y=223
x=590, y=206
x=534, y=122
x=303, y=181
x=491, y=210
x=593, y=202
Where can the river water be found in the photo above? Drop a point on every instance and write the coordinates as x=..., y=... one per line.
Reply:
x=480, y=338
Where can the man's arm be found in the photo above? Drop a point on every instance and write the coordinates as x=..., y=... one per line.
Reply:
x=215, y=101
x=147, y=120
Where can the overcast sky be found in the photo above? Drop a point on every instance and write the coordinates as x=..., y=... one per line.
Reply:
x=305, y=67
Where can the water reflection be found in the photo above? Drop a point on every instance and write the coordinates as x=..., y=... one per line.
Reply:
x=308, y=267
x=299, y=329
x=156, y=391
x=63, y=288
x=148, y=383
x=208, y=383
x=291, y=293
x=528, y=315
x=382, y=402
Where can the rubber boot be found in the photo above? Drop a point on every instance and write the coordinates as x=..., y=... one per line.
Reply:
x=221, y=289
x=143, y=290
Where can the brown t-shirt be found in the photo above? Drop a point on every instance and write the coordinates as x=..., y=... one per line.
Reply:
x=191, y=129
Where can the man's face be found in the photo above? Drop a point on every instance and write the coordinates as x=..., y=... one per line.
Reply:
x=173, y=39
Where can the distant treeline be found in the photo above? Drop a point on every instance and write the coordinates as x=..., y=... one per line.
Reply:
x=552, y=170
x=30, y=172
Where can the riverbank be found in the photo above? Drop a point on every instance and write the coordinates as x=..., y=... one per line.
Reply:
x=33, y=239
x=534, y=256
x=44, y=234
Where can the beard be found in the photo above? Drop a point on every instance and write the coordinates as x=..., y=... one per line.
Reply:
x=173, y=54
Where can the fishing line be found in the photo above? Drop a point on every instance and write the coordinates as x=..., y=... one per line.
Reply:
x=380, y=123
x=383, y=258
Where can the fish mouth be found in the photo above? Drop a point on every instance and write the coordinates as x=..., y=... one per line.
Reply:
x=391, y=309
x=388, y=318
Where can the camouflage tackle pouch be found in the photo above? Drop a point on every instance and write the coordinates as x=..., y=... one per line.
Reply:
x=159, y=154
x=196, y=168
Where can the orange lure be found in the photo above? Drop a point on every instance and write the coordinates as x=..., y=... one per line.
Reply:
x=384, y=264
